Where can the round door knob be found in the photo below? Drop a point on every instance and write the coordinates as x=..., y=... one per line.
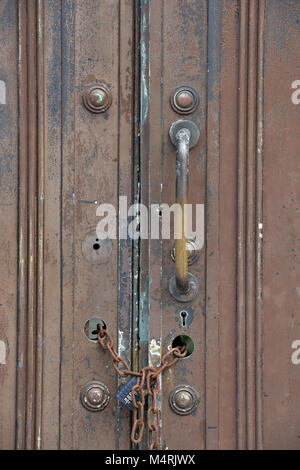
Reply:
x=183, y=399
x=95, y=396
x=184, y=99
x=97, y=98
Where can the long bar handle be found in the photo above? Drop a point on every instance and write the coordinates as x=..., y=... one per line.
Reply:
x=184, y=134
x=182, y=183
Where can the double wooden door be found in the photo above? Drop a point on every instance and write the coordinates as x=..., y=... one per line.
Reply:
x=233, y=68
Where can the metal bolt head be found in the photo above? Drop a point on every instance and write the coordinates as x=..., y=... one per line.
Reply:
x=95, y=396
x=97, y=98
x=183, y=399
x=184, y=99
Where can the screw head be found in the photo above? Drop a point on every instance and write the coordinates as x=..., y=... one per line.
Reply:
x=97, y=98
x=184, y=99
x=183, y=399
x=95, y=396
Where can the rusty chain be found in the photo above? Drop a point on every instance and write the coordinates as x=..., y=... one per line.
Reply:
x=148, y=376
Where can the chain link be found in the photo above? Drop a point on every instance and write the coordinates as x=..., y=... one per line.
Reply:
x=148, y=376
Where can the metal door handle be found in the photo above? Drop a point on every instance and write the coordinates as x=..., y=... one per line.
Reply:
x=184, y=134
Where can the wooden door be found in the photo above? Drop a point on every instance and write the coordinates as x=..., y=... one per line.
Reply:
x=60, y=160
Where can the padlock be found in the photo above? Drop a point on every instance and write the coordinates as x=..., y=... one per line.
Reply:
x=124, y=393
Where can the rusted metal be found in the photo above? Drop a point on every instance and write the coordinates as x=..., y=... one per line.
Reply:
x=184, y=99
x=147, y=375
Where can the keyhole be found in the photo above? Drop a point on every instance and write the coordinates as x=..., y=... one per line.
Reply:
x=183, y=315
x=96, y=245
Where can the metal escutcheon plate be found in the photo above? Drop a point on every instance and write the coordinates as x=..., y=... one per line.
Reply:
x=185, y=124
x=188, y=296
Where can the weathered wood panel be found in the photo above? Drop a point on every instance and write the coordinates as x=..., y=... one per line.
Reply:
x=58, y=162
x=9, y=220
x=70, y=161
x=281, y=226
